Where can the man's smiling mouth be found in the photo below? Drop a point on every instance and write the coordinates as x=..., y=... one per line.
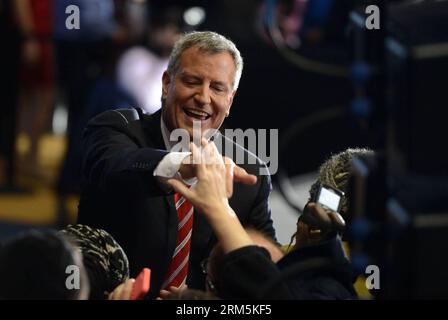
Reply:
x=197, y=114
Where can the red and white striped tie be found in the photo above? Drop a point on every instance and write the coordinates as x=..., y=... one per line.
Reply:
x=178, y=268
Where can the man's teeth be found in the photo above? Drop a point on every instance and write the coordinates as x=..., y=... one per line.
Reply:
x=197, y=113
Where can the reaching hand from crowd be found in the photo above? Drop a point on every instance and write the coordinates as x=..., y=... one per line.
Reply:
x=210, y=193
x=209, y=196
x=165, y=293
x=233, y=173
x=123, y=291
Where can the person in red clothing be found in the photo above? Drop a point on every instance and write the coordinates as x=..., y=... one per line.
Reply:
x=36, y=76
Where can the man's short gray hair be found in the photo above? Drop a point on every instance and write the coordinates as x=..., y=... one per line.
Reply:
x=207, y=42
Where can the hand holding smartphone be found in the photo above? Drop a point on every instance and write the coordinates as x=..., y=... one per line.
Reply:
x=330, y=200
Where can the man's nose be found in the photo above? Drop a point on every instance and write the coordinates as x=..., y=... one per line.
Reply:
x=203, y=95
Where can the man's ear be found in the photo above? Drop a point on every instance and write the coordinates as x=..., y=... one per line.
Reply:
x=166, y=80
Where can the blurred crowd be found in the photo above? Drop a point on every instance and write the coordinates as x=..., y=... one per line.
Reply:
x=114, y=60
x=315, y=265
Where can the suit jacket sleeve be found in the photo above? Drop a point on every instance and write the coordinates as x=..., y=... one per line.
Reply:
x=114, y=154
x=260, y=215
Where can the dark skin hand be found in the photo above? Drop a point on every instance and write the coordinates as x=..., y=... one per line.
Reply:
x=328, y=219
x=328, y=222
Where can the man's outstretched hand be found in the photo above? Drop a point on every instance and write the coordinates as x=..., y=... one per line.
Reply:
x=209, y=196
x=234, y=173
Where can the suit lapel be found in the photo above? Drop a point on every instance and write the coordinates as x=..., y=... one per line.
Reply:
x=152, y=130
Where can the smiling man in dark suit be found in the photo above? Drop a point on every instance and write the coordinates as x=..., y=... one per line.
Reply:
x=128, y=156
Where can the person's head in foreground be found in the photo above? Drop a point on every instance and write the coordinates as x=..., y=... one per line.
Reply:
x=105, y=261
x=42, y=265
x=333, y=173
x=262, y=240
x=211, y=266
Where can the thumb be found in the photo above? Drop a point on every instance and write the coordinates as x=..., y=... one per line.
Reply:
x=338, y=221
x=241, y=175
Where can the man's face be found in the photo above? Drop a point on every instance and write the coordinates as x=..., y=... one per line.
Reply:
x=200, y=90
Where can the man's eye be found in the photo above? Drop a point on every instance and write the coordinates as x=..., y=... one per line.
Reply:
x=219, y=88
x=190, y=81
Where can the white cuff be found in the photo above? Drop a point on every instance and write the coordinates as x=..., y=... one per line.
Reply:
x=170, y=164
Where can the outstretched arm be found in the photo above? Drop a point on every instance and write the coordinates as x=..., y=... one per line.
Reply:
x=209, y=196
x=113, y=158
x=243, y=260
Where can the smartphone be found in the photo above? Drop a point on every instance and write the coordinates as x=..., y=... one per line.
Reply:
x=329, y=198
x=141, y=285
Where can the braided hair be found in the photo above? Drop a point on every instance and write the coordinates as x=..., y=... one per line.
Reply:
x=106, y=263
x=335, y=173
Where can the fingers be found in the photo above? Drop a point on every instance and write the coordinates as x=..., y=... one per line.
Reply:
x=338, y=221
x=204, y=142
x=175, y=289
x=235, y=173
x=112, y=294
x=164, y=294
x=123, y=291
x=127, y=290
x=186, y=169
x=196, y=153
x=211, y=153
x=116, y=293
x=320, y=214
x=241, y=175
x=201, y=156
x=207, y=152
x=183, y=286
x=327, y=219
x=208, y=158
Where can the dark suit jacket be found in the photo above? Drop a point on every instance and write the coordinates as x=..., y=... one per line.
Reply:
x=120, y=194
